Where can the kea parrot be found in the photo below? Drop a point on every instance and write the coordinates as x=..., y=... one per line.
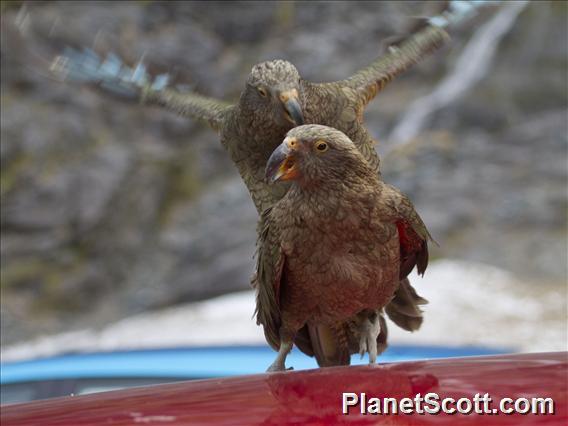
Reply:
x=276, y=99
x=335, y=247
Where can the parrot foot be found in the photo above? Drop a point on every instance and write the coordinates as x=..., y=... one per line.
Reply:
x=279, y=363
x=276, y=367
x=368, y=333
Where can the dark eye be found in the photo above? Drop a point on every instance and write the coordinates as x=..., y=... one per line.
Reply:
x=262, y=92
x=321, y=146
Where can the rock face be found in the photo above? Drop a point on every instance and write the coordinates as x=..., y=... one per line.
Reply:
x=109, y=209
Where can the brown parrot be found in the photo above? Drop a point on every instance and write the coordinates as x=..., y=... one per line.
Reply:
x=275, y=100
x=335, y=247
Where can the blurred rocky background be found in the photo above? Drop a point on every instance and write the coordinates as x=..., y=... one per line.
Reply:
x=110, y=209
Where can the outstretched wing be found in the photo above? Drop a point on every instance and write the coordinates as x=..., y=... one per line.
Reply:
x=113, y=76
x=268, y=279
x=370, y=80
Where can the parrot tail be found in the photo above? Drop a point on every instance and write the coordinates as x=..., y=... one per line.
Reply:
x=329, y=345
x=404, y=309
x=333, y=346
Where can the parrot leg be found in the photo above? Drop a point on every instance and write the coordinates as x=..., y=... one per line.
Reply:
x=368, y=332
x=279, y=363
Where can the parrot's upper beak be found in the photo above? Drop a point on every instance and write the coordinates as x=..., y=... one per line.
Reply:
x=291, y=102
x=282, y=162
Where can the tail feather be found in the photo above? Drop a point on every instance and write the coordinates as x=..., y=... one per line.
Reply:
x=404, y=309
x=333, y=346
x=329, y=348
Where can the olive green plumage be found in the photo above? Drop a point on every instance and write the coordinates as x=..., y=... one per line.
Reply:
x=331, y=252
x=257, y=123
x=252, y=128
x=276, y=99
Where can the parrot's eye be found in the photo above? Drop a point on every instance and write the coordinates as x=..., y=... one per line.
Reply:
x=262, y=92
x=321, y=146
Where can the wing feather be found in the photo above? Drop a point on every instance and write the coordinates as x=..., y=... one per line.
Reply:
x=370, y=80
x=134, y=83
x=412, y=232
x=269, y=279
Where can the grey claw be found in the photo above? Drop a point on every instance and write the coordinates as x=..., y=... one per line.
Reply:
x=369, y=332
x=274, y=368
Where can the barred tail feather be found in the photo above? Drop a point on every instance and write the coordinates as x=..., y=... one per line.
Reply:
x=329, y=348
x=404, y=309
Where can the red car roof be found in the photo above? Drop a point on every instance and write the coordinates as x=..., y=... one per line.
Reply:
x=316, y=396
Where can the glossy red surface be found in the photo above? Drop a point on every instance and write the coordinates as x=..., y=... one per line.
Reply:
x=315, y=397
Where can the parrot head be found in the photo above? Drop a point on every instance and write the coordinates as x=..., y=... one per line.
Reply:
x=274, y=90
x=314, y=153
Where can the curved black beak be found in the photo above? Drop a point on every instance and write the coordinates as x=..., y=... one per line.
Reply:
x=276, y=166
x=294, y=111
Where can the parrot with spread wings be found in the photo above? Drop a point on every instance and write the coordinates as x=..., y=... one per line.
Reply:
x=276, y=99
